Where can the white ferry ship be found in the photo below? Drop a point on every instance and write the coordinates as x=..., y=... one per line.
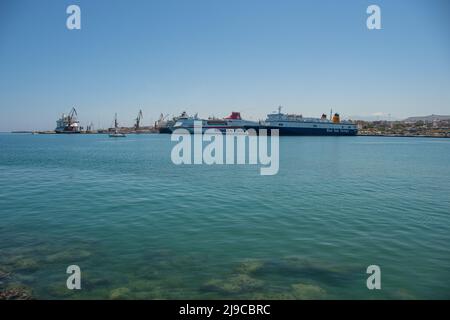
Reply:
x=233, y=121
x=297, y=125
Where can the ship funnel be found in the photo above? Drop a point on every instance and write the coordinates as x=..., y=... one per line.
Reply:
x=336, y=118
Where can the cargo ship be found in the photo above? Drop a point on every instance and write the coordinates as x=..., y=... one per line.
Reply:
x=68, y=123
x=297, y=125
x=233, y=121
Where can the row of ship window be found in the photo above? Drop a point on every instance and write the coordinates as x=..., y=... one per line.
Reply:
x=314, y=126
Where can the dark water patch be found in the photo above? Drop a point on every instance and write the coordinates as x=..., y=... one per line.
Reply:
x=304, y=268
x=93, y=281
x=20, y=263
x=284, y=278
x=4, y=275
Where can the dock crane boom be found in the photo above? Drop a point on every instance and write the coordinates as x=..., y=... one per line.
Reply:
x=138, y=120
x=72, y=116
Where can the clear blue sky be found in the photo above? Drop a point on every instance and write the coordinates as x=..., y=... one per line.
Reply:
x=217, y=56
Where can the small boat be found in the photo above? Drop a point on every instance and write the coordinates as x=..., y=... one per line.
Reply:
x=116, y=133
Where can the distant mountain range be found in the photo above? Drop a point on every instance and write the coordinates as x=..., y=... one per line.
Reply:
x=384, y=117
x=430, y=118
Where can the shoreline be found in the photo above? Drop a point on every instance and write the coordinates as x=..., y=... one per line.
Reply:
x=400, y=136
x=153, y=132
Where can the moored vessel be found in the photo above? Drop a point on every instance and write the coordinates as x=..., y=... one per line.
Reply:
x=68, y=123
x=164, y=125
x=233, y=121
x=297, y=125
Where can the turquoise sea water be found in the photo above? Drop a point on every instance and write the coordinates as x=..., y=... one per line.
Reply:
x=141, y=227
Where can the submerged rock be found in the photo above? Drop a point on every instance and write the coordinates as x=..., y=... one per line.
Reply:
x=69, y=256
x=26, y=264
x=403, y=294
x=303, y=291
x=272, y=296
x=143, y=285
x=235, y=284
x=18, y=293
x=120, y=294
x=249, y=266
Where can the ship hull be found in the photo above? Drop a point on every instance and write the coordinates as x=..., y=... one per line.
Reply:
x=165, y=130
x=293, y=131
x=67, y=132
x=290, y=131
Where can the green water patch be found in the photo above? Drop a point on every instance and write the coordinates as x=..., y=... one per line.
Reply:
x=43, y=268
x=284, y=278
x=161, y=274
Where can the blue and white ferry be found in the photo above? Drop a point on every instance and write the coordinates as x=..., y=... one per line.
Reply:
x=297, y=125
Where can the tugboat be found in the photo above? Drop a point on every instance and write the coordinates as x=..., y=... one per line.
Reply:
x=68, y=123
x=116, y=133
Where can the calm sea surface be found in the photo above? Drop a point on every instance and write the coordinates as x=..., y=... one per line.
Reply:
x=141, y=227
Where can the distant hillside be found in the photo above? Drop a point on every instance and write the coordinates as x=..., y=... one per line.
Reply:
x=372, y=118
x=430, y=118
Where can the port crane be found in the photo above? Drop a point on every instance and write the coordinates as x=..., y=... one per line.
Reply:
x=90, y=127
x=137, y=124
x=72, y=116
x=163, y=117
x=161, y=120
